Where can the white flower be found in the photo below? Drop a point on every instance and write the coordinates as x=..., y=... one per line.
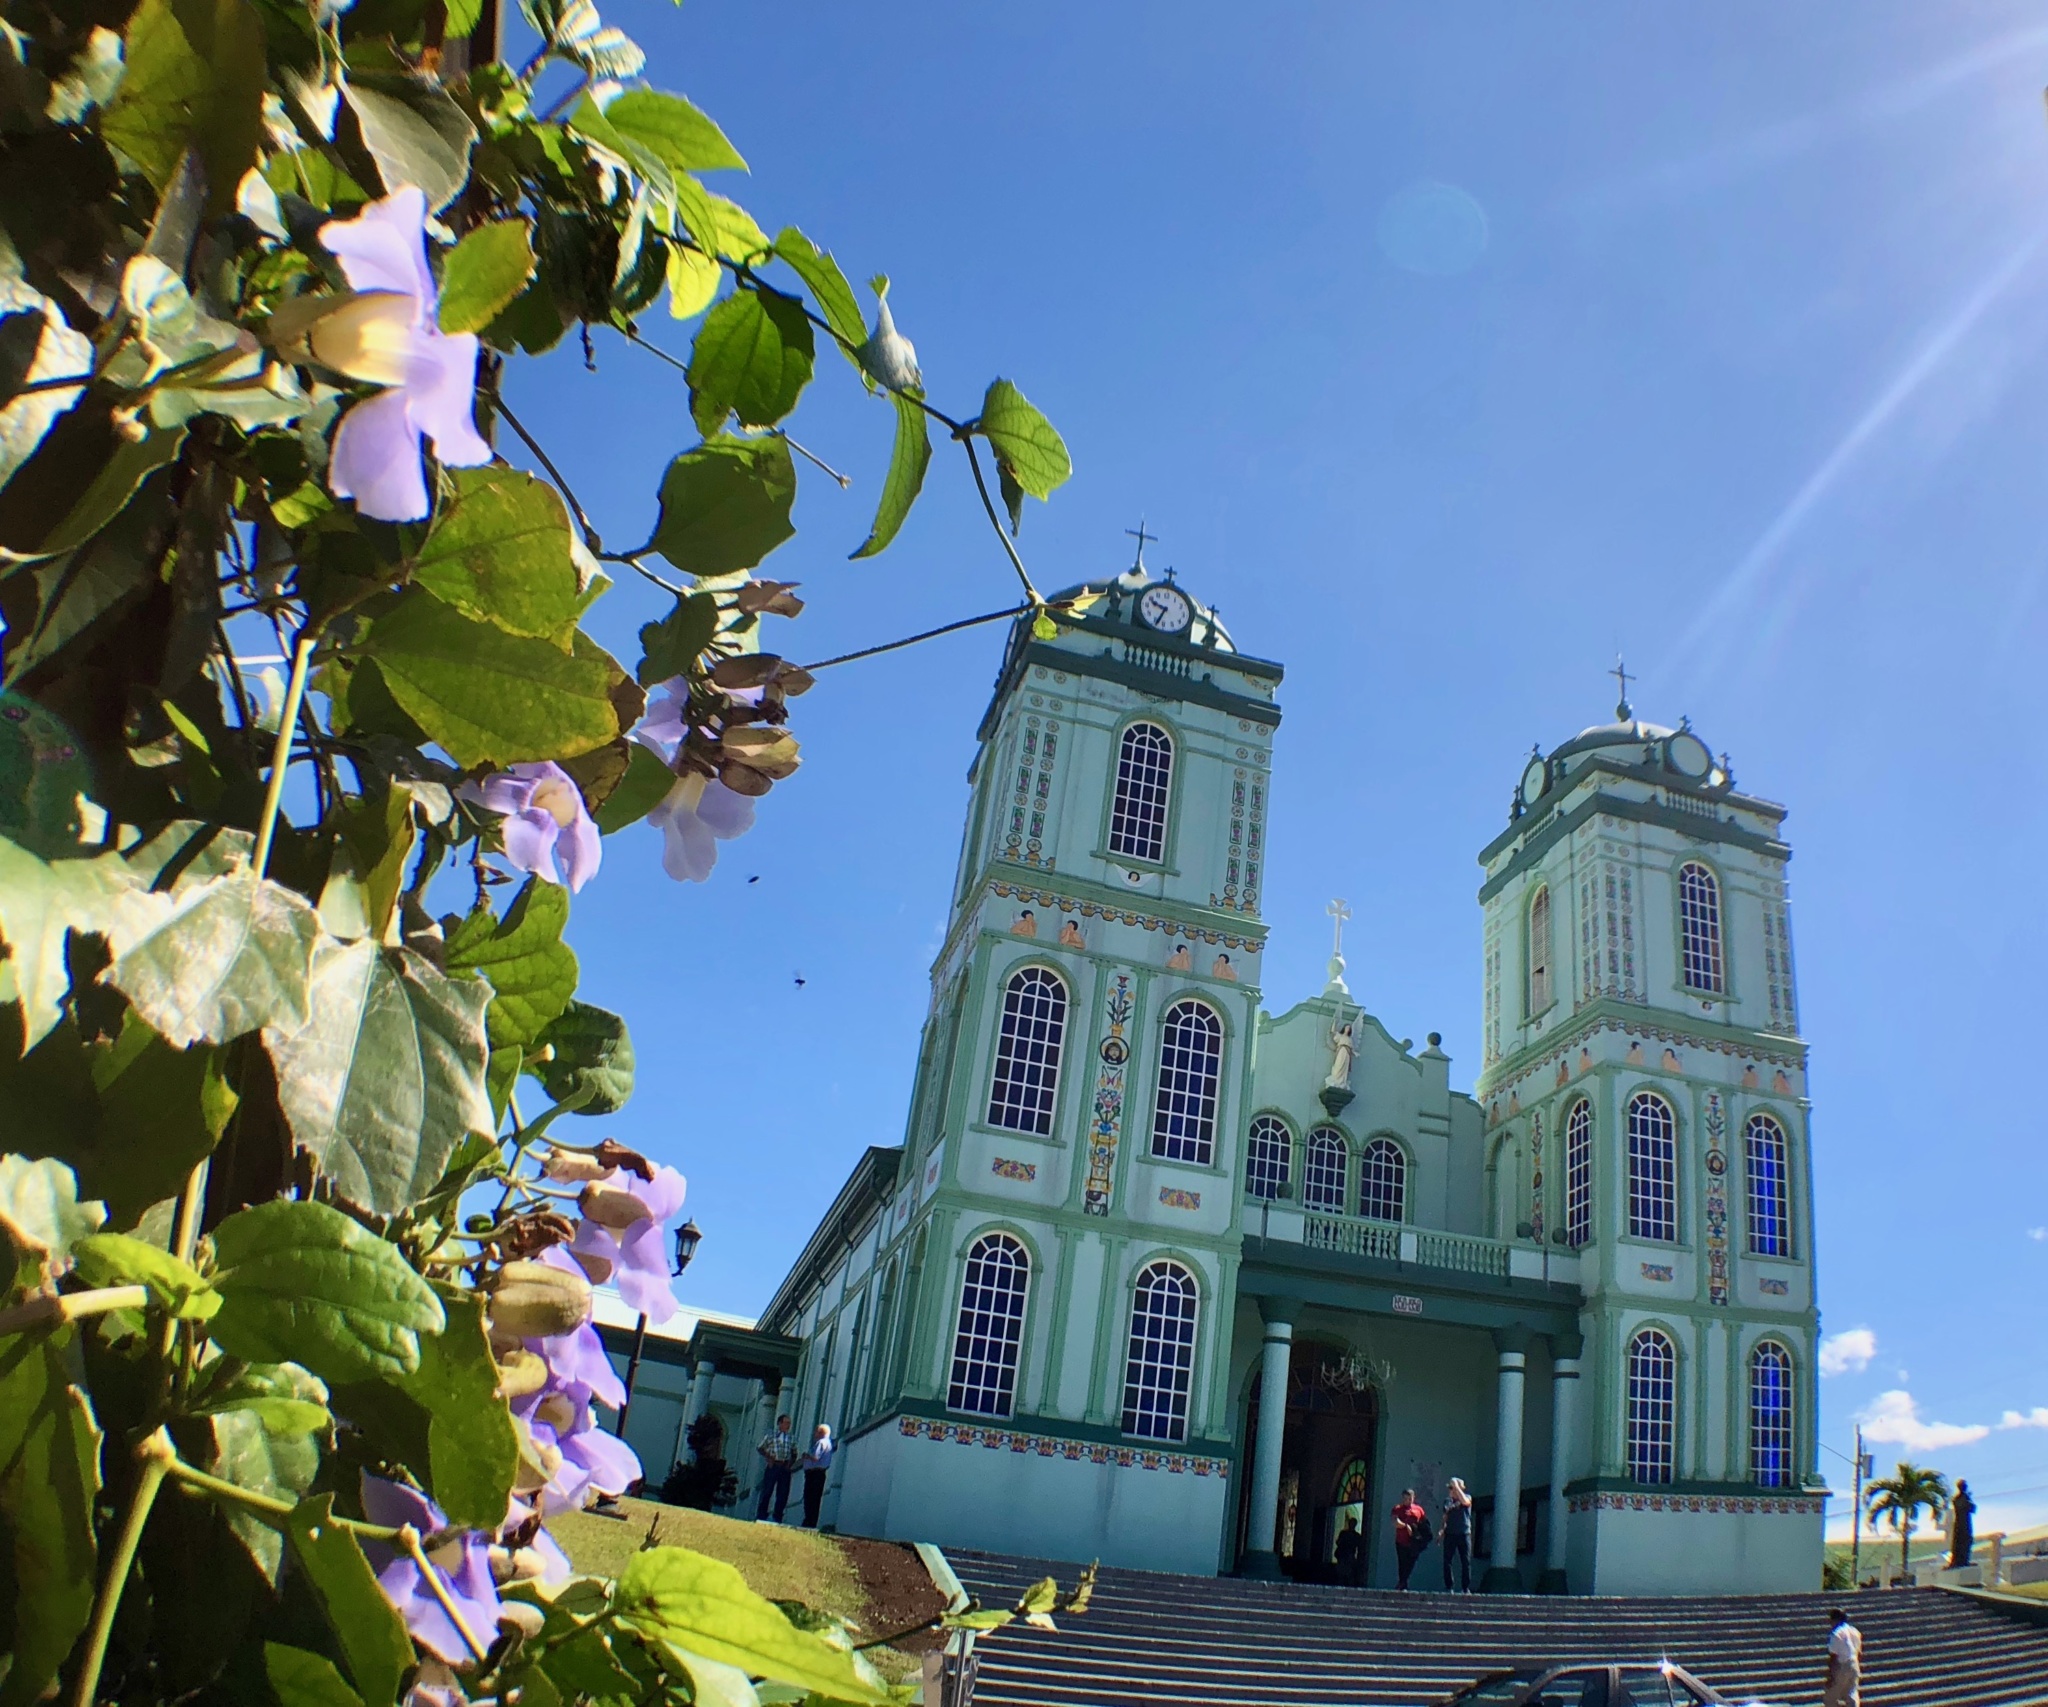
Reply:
x=697, y=814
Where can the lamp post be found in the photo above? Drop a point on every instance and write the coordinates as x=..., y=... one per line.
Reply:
x=688, y=1236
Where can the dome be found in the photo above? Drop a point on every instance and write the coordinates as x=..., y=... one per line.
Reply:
x=1676, y=757
x=1120, y=600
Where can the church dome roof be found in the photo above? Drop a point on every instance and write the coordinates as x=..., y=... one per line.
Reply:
x=1674, y=756
x=1120, y=599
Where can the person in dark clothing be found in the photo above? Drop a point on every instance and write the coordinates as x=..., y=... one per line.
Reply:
x=1962, y=1534
x=1411, y=1534
x=1350, y=1552
x=1458, y=1535
x=816, y=1464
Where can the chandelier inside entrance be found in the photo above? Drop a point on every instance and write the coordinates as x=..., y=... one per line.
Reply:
x=1358, y=1372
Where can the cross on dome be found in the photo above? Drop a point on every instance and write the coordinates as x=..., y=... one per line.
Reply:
x=1623, y=712
x=1144, y=539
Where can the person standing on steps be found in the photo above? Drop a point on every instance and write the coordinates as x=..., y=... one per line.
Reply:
x=778, y=1456
x=1845, y=1664
x=1962, y=1532
x=1350, y=1552
x=817, y=1463
x=1458, y=1535
x=1411, y=1534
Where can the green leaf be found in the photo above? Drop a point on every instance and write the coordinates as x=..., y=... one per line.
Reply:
x=302, y=1679
x=195, y=77
x=49, y=1479
x=1024, y=440
x=908, y=461
x=81, y=590
x=249, y=1453
x=532, y=971
x=388, y=1075
x=42, y=902
x=414, y=131
x=672, y=646
x=724, y=506
x=501, y=551
x=235, y=955
x=835, y=298
x=372, y=1635
x=376, y=836
x=1013, y=496
x=115, y=1259
x=284, y=1398
x=585, y=1665
x=484, y=272
x=302, y=1283
x=501, y=1078
x=670, y=128
x=489, y=697
x=752, y=359
x=40, y=1215
x=671, y=1594
x=593, y=1056
x=646, y=784
x=472, y=1446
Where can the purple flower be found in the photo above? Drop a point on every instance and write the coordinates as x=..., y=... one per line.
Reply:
x=544, y=816
x=578, y=1357
x=699, y=812
x=390, y=335
x=625, y=1228
x=464, y=1564
x=586, y=1461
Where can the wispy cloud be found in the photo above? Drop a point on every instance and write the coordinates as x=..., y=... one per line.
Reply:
x=1893, y=1418
x=2036, y=1418
x=2038, y=1234
x=1847, y=1353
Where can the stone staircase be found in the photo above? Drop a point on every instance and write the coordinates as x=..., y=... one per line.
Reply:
x=1168, y=1641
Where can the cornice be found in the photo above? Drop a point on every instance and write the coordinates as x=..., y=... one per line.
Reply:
x=1631, y=1021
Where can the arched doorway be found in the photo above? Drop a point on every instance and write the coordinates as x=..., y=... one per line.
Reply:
x=1326, y=1460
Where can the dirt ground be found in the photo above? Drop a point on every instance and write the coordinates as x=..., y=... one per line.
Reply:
x=897, y=1591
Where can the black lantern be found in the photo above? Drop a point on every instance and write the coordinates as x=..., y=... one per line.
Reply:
x=687, y=1237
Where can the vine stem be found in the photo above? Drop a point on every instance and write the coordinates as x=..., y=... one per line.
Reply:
x=409, y=1539
x=179, y=1471
x=155, y=1456
x=995, y=521
x=281, y=751
x=72, y=1307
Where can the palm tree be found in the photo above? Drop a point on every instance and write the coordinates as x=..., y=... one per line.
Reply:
x=1902, y=1496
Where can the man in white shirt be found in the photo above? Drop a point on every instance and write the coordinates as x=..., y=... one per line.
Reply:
x=1845, y=1664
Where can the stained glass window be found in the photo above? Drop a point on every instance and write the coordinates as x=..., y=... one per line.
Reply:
x=1770, y=1415
x=1161, y=1363
x=1190, y=1070
x=1770, y=1214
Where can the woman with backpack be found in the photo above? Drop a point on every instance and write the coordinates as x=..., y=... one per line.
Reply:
x=1411, y=1534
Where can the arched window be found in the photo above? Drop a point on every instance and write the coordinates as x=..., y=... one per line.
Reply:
x=878, y=1355
x=1144, y=779
x=1652, y=1407
x=1382, y=1181
x=1578, y=1174
x=991, y=1327
x=1539, y=951
x=1699, y=927
x=1652, y=1169
x=1162, y=1356
x=1770, y=1213
x=1266, y=1157
x=1190, y=1067
x=1770, y=1415
x=1322, y=1181
x=1020, y=1096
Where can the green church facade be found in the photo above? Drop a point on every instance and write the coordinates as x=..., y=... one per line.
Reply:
x=1160, y=1278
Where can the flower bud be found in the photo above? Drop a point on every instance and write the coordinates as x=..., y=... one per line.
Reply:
x=598, y=1268
x=522, y=1616
x=557, y=1412
x=573, y=1165
x=520, y=1372
x=538, y=1463
x=611, y=1206
x=534, y=1301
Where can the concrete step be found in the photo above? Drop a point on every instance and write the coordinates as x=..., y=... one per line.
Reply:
x=1202, y=1642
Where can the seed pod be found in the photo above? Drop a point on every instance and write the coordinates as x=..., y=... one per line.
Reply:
x=611, y=1206
x=573, y=1165
x=520, y=1372
x=532, y=1301
x=522, y=1616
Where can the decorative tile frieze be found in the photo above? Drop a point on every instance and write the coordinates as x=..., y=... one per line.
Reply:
x=1107, y=1120
x=997, y=1439
x=1117, y=915
x=1637, y=1031
x=1658, y=1271
x=1776, y=1287
x=1747, y=1505
x=1004, y=1168
x=1178, y=1197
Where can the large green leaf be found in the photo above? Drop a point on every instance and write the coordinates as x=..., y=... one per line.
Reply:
x=725, y=505
x=752, y=359
x=414, y=131
x=1024, y=440
x=532, y=971
x=249, y=1453
x=501, y=552
x=489, y=697
x=235, y=955
x=282, y=1396
x=703, y=1605
x=388, y=1075
x=670, y=128
x=372, y=1635
x=303, y=1679
x=41, y=1217
x=195, y=77
x=302, y=1283
x=472, y=1446
x=593, y=1059
x=41, y=903
x=908, y=461
x=645, y=785
x=484, y=272
x=49, y=1479
x=827, y=283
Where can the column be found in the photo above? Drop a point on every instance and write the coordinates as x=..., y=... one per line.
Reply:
x=699, y=1400
x=1275, y=1357
x=1511, y=1344
x=1565, y=1352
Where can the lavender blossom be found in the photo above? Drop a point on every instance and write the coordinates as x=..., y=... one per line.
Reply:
x=390, y=335
x=585, y=1462
x=544, y=816
x=693, y=818
x=463, y=1562
x=625, y=1228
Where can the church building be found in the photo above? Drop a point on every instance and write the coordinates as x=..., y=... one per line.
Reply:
x=1162, y=1277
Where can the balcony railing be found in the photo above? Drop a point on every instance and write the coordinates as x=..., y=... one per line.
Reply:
x=1417, y=1247
x=1353, y=1238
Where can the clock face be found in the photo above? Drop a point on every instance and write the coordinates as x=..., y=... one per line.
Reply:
x=1165, y=608
x=1533, y=780
x=1689, y=755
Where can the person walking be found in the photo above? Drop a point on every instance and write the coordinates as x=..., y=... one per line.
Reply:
x=816, y=1463
x=1411, y=1534
x=1350, y=1551
x=1845, y=1664
x=778, y=1457
x=1962, y=1530
x=1458, y=1535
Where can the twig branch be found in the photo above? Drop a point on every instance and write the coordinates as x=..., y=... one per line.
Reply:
x=914, y=639
x=155, y=1455
x=995, y=521
x=51, y=1308
x=409, y=1539
x=281, y=750
x=812, y=456
x=590, y=537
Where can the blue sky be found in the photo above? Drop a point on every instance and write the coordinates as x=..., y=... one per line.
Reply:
x=1448, y=350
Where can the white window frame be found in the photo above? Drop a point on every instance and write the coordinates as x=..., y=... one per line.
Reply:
x=1324, y=1171
x=988, y=1338
x=1772, y=1426
x=1702, y=961
x=1188, y=1088
x=1541, y=985
x=1159, y=1362
x=1650, y=1422
x=1652, y=1169
x=1144, y=793
x=1268, y=1158
x=1024, y=1082
x=1383, y=1181
x=1578, y=1173
x=1769, y=1201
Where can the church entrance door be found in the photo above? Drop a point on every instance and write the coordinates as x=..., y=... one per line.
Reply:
x=1326, y=1459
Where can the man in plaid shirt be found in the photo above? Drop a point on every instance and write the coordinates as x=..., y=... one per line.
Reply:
x=778, y=1456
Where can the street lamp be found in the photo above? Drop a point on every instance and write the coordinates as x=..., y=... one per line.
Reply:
x=688, y=1237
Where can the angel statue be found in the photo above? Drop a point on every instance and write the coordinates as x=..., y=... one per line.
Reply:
x=1343, y=1051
